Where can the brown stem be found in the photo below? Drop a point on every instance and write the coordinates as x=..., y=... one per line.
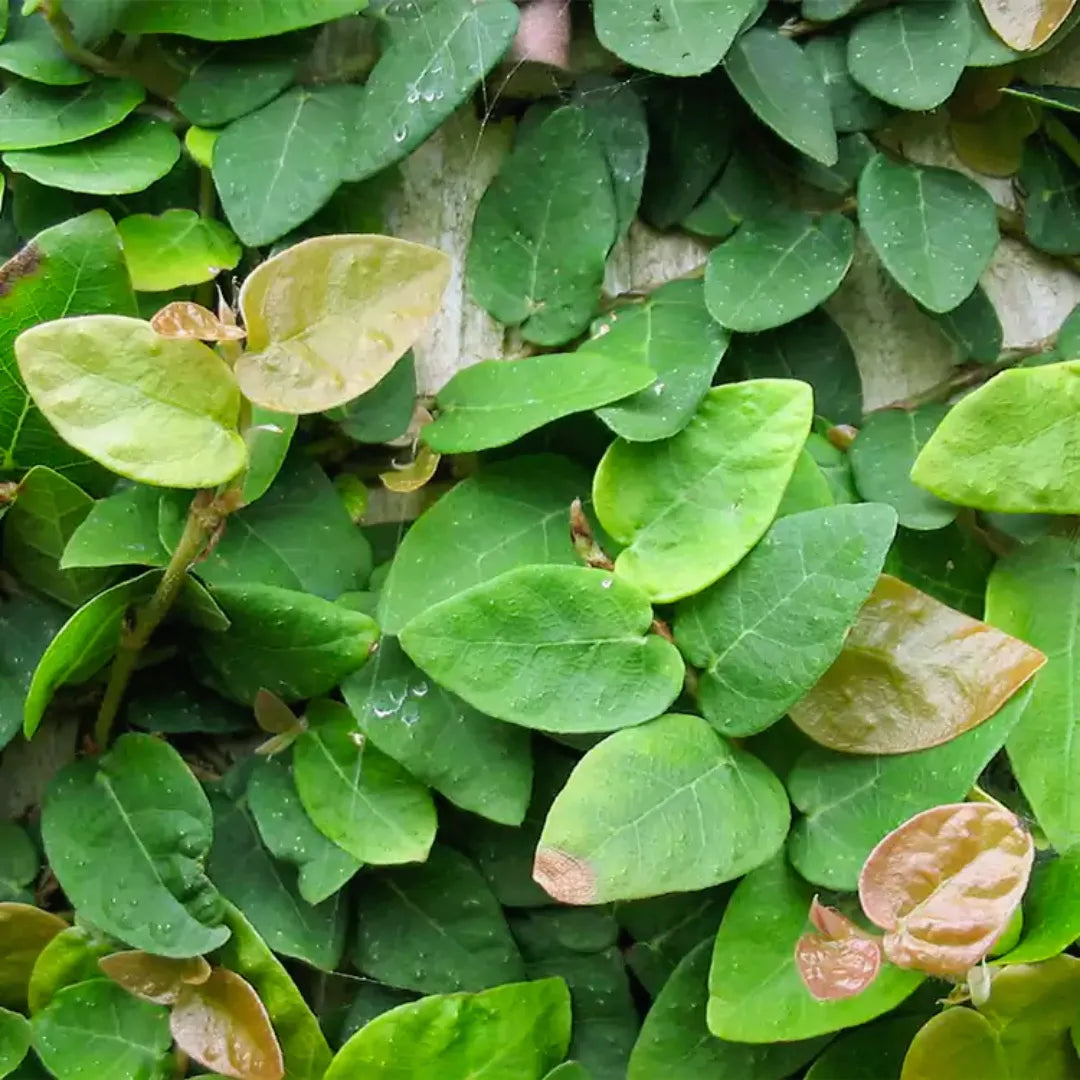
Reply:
x=584, y=541
x=663, y=629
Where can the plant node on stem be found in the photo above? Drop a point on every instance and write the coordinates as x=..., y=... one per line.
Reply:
x=581, y=535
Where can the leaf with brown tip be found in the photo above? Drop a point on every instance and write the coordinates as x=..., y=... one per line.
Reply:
x=24, y=931
x=945, y=884
x=186, y=319
x=223, y=1025
x=1025, y=24
x=159, y=979
x=839, y=961
x=913, y=674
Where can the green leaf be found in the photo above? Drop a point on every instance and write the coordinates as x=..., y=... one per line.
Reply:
x=127, y=158
x=729, y=811
x=1002, y=447
x=1033, y=593
x=436, y=53
x=385, y=411
x=691, y=507
x=290, y=835
x=277, y=166
x=292, y=644
x=228, y=83
x=327, y=318
x=974, y=327
x=675, y=1043
x=176, y=248
x=786, y=91
x=911, y=55
x=755, y=992
x=364, y=801
x=543, y=230
x=1051, y=920
x=809, y=488
x=224, y=20
x=265, y=890
x=111, y=387
x=853, y=109
x=743, y=191
x=75, y=268
x=47, y=510
x=69, y=958
x=1051, y=205
x=137, y=810
x=33, y=116
x=268, y=440
x=510, y=514
x=514, y=1032
x=569, y=1070
x=850, y=801
x=673, y=37
x=776, y=269
x=183, y=709
x=297, y=536
x=120, y=530
x=881, y=459
x=27, y=628
x=951, y=564
x=495, y=402
x=672, y=332
x=955, y=1039
x=478, y=763
x=14, y=1041
x=934, y=229
x=30, y=50
x=874, y=1052
x=827, y=10
x=83, y=645
x=813, y=349
x=19, y=864
x=99, y=1026
x=556, y=648
x=765, y=634
x=435, y=928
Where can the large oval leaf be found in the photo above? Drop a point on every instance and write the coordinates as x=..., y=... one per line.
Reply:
x=913, y=674
x=690, y=507
x=152, y=409
x=327, y=318
x=768, y=631
x=776, y=269
x=33, y=116
x=934, y=229
x=225, y=20
x=137, y=810
x=1002, y=447
x=944, y=885
x=556, y=648
x=605, y=842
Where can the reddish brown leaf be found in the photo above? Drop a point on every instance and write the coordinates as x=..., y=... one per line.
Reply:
x=839, y=961
x=154, y=978
x=945, y=884
x=913, y=674
x=24, y=931
x=1026, y=24
x=223, y=1025
x=184, y=319
x=273, y=715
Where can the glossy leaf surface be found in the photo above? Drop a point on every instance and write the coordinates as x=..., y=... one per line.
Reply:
x=176, y=248
x=838, y=960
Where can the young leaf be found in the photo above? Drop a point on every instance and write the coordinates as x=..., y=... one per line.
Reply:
x=689, y=508
x=176, y=248
x=48, y=509
x=222, y=1024
x=495, y=402
x=882, y=455
x=510, y=514
x=186, y=319
x=785, y=89
x=222, y=20
x=290, y=643
x=24, y=932
x=672, y=332
x=934, y=229
x=1027, y=27
x=327, y=318
x=673, y=37
x=357, y=796
x=515, y=1032
x=120, y=530
x=14, y=1041
x=543, y=230
x=944, y=885
x=97, y=1028
x=155, y=410
x=776, y=269
x=838, y=961
x=435, y=54
x=1001, y=448
x=476, y=762
x=765, y=634
x=33, y=116
x=911, y=55
x=157, y=979
x=120, y=161
x=435, y=928
x=729, y=808
x=138, y=810
x=913, y=674
x=556, y=648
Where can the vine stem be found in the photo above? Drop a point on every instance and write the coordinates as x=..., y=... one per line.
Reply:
x=204, y=521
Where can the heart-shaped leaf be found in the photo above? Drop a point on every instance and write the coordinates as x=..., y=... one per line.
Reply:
x=1026, y=26
x=945, y=884
x=176, y=248
x=840, y=960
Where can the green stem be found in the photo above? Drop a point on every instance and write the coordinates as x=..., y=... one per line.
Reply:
x=204, y=293
x=61, y=27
